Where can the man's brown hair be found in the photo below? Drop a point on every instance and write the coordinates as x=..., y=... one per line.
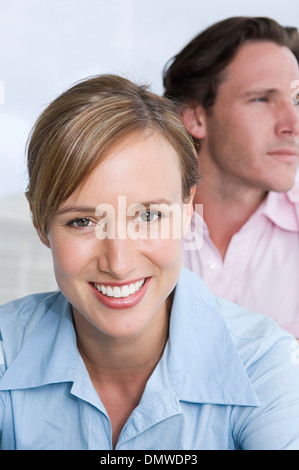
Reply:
x=193, y=75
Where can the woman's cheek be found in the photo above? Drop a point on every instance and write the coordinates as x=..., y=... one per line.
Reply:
x=71, y=256
x=164, y=253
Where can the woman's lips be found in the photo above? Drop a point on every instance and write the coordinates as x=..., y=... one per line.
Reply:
x=121, y=295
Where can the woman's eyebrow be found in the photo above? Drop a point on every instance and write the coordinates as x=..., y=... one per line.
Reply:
x=156, y=202
x=67, y=209
x=92, y=209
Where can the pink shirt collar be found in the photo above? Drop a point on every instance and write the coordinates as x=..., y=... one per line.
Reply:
x=278, y=209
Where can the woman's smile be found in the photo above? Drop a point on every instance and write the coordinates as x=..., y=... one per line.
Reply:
x=121, y=295
x=119, y=290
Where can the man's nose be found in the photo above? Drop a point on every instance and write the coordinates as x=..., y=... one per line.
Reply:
x=288, y=120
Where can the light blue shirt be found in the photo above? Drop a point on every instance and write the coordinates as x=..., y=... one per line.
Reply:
x=228, y=379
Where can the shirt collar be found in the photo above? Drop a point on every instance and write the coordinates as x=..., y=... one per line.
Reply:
x=201, y=359
x=282, y=210
x=49, y=355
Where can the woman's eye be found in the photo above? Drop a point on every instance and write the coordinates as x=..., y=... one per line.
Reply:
x=80, y=223
x=149, y=216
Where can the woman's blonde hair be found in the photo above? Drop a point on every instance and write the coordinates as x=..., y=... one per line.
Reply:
x=79, y=127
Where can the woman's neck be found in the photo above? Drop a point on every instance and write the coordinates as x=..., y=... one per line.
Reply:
x=119, y=368
x=111, y=357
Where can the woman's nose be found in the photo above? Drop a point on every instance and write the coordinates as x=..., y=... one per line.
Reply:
x=117, y=257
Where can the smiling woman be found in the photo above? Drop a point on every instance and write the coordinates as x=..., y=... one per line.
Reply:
x=132, y=352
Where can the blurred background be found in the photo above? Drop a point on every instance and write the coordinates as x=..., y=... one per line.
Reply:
x=46, y=46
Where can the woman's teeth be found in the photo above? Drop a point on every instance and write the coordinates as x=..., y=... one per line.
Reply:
x=120, y=291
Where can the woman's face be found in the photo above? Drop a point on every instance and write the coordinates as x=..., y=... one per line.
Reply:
x=116, y=241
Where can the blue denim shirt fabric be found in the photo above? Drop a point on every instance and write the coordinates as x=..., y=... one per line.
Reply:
x=228, y=379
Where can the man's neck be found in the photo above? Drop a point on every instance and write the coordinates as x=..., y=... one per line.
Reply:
x=226, y=211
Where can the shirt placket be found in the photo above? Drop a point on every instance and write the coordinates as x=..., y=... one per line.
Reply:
x=235, y=263
x=157, y=426
x=225, y=277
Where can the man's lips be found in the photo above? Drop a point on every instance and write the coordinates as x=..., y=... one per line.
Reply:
x=286, y=154
x=121, y=295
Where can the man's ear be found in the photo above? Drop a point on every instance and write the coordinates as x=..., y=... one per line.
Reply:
x=194, y=120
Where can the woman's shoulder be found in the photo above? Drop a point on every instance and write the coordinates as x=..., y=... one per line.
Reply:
x=25, y=307
x=18, y=318
x=257, y=336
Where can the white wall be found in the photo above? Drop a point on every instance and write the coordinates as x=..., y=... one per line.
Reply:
x=47, y=45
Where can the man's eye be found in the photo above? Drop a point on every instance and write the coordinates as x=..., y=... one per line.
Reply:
x=260, y=99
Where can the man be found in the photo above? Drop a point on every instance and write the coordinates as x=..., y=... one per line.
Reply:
x=238, y=82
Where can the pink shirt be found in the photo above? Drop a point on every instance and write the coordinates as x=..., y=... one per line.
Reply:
x=261, y=267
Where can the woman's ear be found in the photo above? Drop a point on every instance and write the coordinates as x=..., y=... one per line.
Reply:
x=194, y=120
x=42, y=238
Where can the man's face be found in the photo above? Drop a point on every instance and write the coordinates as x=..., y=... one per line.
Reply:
x=252, y=132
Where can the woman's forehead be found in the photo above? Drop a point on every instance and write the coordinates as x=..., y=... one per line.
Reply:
x=142, y=168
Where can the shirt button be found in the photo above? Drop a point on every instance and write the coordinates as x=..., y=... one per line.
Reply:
x=212, y=264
